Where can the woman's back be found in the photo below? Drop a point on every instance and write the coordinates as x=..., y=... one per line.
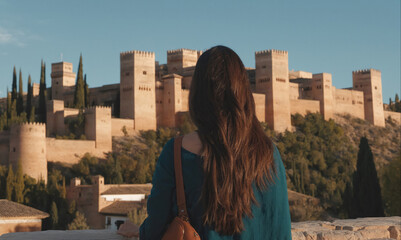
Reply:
x=271, y=219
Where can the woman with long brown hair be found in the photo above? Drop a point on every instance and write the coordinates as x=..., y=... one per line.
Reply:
x=234, y=179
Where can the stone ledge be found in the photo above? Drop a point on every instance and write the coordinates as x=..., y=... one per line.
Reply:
x=350, y=229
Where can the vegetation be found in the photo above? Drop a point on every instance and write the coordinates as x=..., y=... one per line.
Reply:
x=42, y=94
x=396, y=105
x=366, y=200
x=79, y=94
x=391, y=182
x=79, y=222
x=137, y=215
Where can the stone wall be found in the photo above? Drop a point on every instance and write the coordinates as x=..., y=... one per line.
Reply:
x=303, y=106
x=350, y=229
x=20, y=225
x=117, y=124
x=396, y=116
x=349, y=102
x=69, y=151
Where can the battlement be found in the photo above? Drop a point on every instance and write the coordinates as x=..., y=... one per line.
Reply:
x=270, y=51
x=180, y=51
x=92, y=109
x=365, y=71
x=29, y=127
x=137, y=52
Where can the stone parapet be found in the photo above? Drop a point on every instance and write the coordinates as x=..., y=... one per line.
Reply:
x=351, y=229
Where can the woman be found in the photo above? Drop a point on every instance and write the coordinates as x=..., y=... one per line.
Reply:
x=234, y=179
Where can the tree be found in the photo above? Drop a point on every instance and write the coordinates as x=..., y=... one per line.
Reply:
x=42, y=94
x=86, y=88
x=367, y=200
x=79, y=222
x=392, y=185
x=10, y=183
x=19, y=184
x=20, y=99
x=79, y=94
x=14, y=86
x=397, y=98
x=28, y=108
x=54, y=215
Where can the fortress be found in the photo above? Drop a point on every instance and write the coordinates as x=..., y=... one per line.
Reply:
x=152, y=95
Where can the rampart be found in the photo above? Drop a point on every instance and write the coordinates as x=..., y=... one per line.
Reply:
x=118, y=124
x=349, y=101
x=303, y=106
x=396, y=116
x=70, y=151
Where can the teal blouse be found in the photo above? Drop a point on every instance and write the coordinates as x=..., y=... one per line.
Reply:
x=271, y=218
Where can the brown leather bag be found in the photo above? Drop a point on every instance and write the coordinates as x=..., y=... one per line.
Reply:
x=180, y=228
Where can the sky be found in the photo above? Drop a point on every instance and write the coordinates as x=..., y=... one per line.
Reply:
x=336, y=37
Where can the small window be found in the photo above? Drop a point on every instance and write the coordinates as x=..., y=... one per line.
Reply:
x=375, y=87
x=108, y=222
x=127, y=74
x=14, y=149
x=144, y=72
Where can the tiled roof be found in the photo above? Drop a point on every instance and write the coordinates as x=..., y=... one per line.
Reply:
x=121, y=207
x=133, y=189
x=9, y=209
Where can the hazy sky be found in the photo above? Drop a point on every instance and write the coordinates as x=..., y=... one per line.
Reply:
x=321, y=36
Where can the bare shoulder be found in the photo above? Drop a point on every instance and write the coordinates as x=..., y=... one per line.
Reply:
x=191, y=142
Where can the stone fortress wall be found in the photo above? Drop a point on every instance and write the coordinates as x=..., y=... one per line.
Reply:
x=155, y=95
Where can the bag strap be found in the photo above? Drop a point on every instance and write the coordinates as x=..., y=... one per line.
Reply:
x=179, y=182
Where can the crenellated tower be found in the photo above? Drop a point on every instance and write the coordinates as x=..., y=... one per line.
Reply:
x=322, y=91
x=182, y=58
x=62, y=78
x=137, y=88
x=98, y=127
x=172, y=99
x=271, y=79
x=370, y=82
x=28, y=146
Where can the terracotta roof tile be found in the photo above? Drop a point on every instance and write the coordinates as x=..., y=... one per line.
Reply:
x=134, y=189
x=9, y=209
x=121, y=207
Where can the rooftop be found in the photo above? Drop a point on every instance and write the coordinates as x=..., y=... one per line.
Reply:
x=134, y=189
x=13, y=210
x=121, y=207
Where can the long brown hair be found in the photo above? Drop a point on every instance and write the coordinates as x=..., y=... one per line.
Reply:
x=236, y=151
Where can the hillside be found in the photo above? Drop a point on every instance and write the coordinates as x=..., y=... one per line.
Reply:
x=384, y=142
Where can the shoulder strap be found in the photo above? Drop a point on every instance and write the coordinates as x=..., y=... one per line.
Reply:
x=179, y=182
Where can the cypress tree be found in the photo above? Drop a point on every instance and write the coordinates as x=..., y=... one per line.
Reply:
x=19, y=184
x=42, y=94
x=8, y=104
x=367, y=200
x=20, y=99
x=10, y=183
x=54, y=215
x=86, y=88
x=79, y=95
x=397, y=99
x=14, y=86
x=29, y=96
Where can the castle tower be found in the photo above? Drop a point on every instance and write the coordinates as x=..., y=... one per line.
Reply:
x=62, y=78
x=179, y=59
x=370, y=82
x=55, y=118
x=172, y=99
x=28, y=146
x=98, y=127
x=322, y=91
x=137, y=88
x=271, y=76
